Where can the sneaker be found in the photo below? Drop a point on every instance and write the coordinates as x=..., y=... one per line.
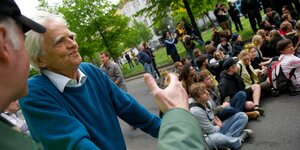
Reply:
x=253, y=114
x=246, y=133
x=260, y=110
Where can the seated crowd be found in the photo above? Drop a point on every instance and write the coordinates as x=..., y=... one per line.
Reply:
x=226, y=82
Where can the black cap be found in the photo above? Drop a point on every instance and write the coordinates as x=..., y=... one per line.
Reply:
x=10, y=8
x=228, y=63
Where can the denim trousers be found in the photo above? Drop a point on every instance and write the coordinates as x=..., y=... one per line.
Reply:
x=228, y=136
x=149, y=69
x=238, y=101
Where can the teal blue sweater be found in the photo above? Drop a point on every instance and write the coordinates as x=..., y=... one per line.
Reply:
x=83, y=117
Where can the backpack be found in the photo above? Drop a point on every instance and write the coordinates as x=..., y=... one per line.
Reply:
x=278, y=79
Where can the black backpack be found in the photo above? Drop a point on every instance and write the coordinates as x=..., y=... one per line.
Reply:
x=278, y=79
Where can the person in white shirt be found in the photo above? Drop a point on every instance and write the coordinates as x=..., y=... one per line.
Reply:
x=289, y=61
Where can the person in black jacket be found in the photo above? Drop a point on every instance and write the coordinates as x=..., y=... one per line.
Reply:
x=234, y=14
x=251, y=9
x=231, y=83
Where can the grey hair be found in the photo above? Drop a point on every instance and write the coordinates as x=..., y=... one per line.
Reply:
x=12, y=27
x=34, y=41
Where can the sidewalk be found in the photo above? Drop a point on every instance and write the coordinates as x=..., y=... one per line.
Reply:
x=140, y=75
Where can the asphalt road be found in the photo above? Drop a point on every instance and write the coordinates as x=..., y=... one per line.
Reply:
x=278, y=129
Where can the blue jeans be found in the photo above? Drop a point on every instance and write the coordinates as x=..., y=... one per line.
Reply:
x=237, y=104
x=149, y=69
x=238, y=101
x=228, y=136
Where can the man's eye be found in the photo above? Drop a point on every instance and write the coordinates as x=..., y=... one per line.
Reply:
x=59, y=41
x=73, y=37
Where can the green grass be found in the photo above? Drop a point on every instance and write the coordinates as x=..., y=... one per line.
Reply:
x=161, y=57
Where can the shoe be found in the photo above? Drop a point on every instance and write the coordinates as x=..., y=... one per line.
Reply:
x=246, y=133
x=260, y=110
x=253, y=114
x=274, y=92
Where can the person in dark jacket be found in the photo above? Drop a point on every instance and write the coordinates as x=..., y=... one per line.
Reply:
x=237, y=44
x=145, y=60
x=231, y=83
x=234, y=14
x=170, y=45
x=150, y=53
x=251, y=9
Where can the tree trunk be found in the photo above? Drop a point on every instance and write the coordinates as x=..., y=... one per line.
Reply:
x=207, y=14
x=194, y=24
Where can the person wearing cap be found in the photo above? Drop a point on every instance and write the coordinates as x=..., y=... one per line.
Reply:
x=289, y=61
x=14, y=66
x=71, y=104
x=231, y=83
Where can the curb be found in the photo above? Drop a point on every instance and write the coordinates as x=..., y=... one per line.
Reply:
x=140, y=75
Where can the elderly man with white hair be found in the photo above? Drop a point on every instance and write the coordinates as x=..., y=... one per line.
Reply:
x=71, y=104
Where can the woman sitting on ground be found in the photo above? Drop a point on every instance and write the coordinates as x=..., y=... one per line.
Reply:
x=251, y=76
x=187, y=77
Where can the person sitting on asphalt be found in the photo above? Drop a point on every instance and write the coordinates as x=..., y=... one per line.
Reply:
x=251, y=76
x=229, y=133
x=272, y=17
x=231, y=83
x=225, y=47
x=289, y=61
x=71, y=104
x=225, y=108
x=187, y=77
x=178, y=123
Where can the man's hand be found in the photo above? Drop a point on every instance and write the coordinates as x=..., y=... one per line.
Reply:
x=173, y=96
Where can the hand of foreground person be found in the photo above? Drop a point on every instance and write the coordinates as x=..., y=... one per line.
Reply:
x=173, y=96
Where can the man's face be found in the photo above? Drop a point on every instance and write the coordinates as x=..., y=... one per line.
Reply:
x=208, y=81
x=204, y=96
x=60, y=48
x=269, y=13
x=104, y=59
x=234, y=68
x=289, y=49
x=19, y=65
x=223, y=43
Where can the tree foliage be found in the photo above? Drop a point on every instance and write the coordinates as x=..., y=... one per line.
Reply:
x=97, y=25
x=159, y=9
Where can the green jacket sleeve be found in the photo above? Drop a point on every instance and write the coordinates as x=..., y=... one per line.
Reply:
x=180, y=130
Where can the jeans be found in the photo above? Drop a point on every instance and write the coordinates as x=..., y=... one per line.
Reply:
x=228, y=136
x=238, y=101
x=149, y=69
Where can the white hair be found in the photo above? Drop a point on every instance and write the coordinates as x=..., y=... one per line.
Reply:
x=12, y=27
x=34, y=41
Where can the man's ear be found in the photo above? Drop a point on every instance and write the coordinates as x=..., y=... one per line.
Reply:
x=40, y=61
x=4, y=56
